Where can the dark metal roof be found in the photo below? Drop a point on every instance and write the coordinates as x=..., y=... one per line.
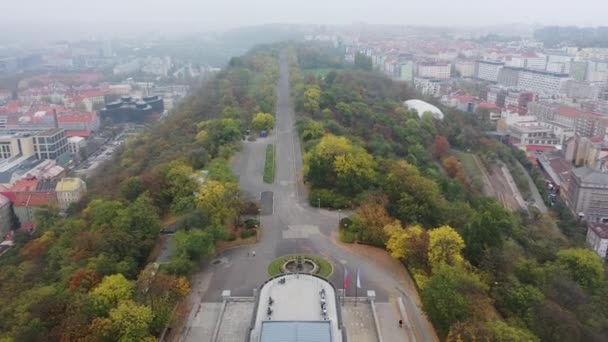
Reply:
x=293, y=331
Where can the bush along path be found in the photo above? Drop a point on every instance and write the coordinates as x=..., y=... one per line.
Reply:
x=269, y=165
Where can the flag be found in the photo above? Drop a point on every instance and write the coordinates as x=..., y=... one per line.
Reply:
x=358, y=279
x=345, y=278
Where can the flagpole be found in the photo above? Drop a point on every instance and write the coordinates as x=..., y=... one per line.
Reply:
x=357, y=287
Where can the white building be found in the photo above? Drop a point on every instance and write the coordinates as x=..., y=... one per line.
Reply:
x=542, y=81
x=465, y=68
x=597, y=238
x=438, y=71
x=427, y=86
x=75, y=144
x=70, y=190
x=488, y=70
x=422, y=107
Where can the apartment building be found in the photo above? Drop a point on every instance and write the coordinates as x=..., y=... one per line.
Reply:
x=508, y=76
x=532, y=133
x=541, y=81
x=12, y=146
x=434, y=70
x=588, y=194
x=50, y=144
x=488, y=70
x=597, y=238
x=465, y=68
x=70, y=190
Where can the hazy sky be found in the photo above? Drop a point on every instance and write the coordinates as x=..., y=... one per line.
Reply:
x=232, y=13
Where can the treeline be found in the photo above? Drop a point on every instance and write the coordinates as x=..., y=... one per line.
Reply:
x=583, y=37
x=484, y=273
x=90, y=276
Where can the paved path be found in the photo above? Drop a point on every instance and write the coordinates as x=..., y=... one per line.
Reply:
x=295, y=227
x=538, y=200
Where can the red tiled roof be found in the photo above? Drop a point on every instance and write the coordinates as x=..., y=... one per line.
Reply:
x=72, y=117
x=32, y=199
x=487, y=105
x=535, y=148
x=465, y=98
x=84, y=133
x=92, y=93
x=13, y=105
x=24, y=185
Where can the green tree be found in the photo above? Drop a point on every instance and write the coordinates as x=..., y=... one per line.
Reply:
x=363, y=62
x=445, y=296
x=132, y=187
x=195, y=244
x=583, y=264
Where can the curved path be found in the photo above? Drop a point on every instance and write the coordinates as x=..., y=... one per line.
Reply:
x=296, y=227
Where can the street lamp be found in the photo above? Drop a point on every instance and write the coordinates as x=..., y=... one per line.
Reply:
x=339, y=211
x=259, y=213
x=319, y=201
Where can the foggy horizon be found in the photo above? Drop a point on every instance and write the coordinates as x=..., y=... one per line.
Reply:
x=111, y=16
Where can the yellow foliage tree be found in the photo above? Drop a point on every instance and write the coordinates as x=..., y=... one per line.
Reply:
x=262, y=121
x=445, y=247
x=218, y=200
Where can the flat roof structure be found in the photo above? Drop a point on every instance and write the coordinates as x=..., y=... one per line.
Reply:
x=297, y=308
x=422, y=107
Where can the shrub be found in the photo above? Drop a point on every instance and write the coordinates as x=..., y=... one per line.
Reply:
x=230, y=236
x=251, y=223
x=328, y=199
x=248, y=233
x=347, y=236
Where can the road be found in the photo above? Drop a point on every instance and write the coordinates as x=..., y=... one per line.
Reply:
x=296, y=227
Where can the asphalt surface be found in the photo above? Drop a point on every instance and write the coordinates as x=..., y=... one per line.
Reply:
x=293, y=226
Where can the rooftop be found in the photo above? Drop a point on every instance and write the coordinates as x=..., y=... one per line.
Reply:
x=422, y=107
x=589, y=175
x=69, y=184
x=297, y=307
x=599, y=229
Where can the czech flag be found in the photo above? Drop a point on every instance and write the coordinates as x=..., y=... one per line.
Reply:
x=345, y=278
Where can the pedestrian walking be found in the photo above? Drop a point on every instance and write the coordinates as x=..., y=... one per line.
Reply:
x=253, y=254
x=400, y=323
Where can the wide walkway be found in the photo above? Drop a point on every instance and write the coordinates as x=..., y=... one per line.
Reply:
x=296, y=227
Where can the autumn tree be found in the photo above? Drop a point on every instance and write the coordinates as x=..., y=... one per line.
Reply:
x=413, y=199
x=454, y=169
x=336, y=163
x=112, y=290
x=440, y=147
x=130, y=321
x=409, y=244
x=370, y=219
x=218, y=199
x=262, y=122
x=445, y=247
x=312, y=99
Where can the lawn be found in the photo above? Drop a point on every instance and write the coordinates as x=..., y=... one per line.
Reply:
x=318, y=72
x=325, y=267
x=269, y=164
x=469, y=165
